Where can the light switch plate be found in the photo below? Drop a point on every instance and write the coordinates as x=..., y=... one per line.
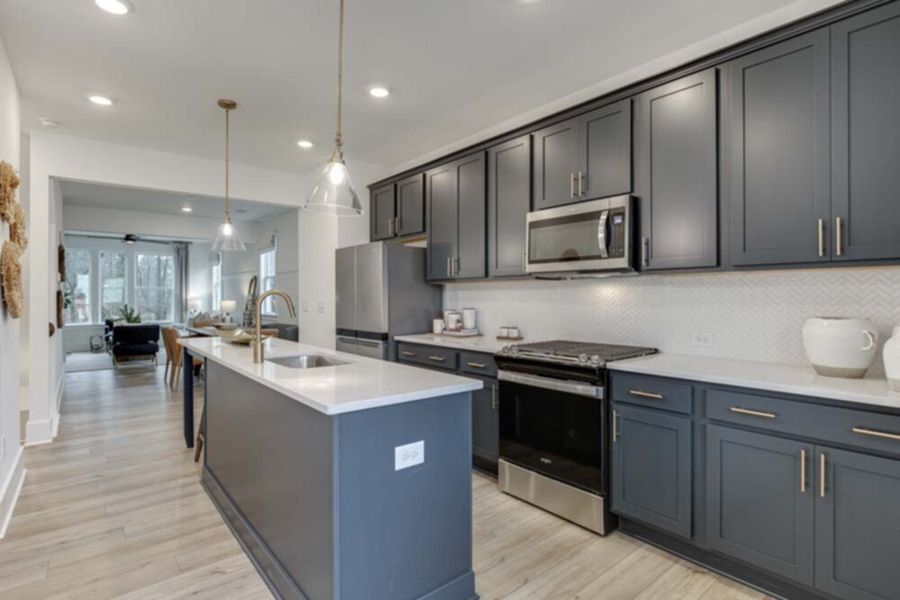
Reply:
x=409, y=455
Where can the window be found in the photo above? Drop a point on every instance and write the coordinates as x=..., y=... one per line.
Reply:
x=113, y=279
x=267, y=279
x=154, y=287
x=78, y=287
x=217, y=283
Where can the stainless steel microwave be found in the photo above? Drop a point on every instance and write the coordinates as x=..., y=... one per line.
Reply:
x=585, y=237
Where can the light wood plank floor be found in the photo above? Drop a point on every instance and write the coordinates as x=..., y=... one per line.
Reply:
x=113, y=508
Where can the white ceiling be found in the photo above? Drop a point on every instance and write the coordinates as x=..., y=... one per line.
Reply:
x=77, y=193
x=456, y=67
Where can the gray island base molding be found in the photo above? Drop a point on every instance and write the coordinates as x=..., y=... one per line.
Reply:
x=319, y=494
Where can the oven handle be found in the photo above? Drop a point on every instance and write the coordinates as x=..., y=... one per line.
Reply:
x=558, y=385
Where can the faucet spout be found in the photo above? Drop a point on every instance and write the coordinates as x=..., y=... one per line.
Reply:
x=259, y=354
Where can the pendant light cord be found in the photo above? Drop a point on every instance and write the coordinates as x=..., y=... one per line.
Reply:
x=338, y=142
x=227, y=211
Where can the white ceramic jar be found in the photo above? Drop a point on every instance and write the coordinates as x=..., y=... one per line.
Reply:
x=840, y=346
x=892, y=359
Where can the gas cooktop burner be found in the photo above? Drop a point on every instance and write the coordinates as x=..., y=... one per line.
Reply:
x=584, y=353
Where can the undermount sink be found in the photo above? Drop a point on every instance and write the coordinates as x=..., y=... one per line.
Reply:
x=306, y=361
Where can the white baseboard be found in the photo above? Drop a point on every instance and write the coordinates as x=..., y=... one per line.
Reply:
x=39, y=432
x=10, y=490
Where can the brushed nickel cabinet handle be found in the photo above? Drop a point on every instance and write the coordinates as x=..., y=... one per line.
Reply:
x=875, y=433
x=455, y=270
x=645, y=251
x=476, y=365
x=494, y=403
x=405, y=353
x=524, y=259
x=437, y=358
x=397, y=222
x=391, y=231
x=803, y=471
x=822, y=475
x=448, y=266
x=837, y=237
x=615, y=425
x=580, y=184
x=821, y=234
x=643, y=394
x=571, y=185
x=752, y=413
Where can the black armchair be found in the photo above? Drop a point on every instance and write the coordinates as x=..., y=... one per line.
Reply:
x=135, y=341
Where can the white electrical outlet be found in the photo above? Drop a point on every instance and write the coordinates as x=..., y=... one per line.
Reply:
x=703, y=339
x=409, y=455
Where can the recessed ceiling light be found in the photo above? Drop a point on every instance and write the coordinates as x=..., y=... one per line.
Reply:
x=100, y=100
x=379, y=91
x=48, y=122
x=187, y=209
x=305, y=144
x=115, y=7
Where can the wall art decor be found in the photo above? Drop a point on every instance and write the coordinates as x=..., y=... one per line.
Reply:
x=11, y=273
x=9, y=183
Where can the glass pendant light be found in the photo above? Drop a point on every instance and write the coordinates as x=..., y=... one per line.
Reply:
x=334, y=193
x=227, y=238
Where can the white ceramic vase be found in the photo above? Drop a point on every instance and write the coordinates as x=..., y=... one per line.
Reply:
x=892, y=359
x=840, y=346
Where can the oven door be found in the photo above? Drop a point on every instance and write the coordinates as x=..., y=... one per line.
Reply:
x=554, y=427
x=590, y=236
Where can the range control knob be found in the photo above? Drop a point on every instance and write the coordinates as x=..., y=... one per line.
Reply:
x=583, y=358
x=595, y=359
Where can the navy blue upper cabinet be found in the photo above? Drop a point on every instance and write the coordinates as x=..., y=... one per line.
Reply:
x=583, y=158
x=410, y=205
x=759, y=500
x=455, y=205
x=676, y=175
x=776, y=141
x=857, y=525
x=381, y=207
x=866, y=135
x=509, y=200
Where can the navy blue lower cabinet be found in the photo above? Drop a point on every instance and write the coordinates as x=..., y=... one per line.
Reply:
x=651, y=468
x=486, y=425
x=760, y=500
x=857, y=525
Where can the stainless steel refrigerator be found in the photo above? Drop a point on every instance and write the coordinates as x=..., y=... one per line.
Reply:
x=382, y=292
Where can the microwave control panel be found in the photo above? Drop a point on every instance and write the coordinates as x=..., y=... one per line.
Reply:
x=617, y=237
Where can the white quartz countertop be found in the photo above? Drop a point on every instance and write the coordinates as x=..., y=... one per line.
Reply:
x=360, y=384
x=786, y=379
x=483, y=343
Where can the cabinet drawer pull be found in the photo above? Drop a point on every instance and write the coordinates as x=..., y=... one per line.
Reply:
x=643, y=394
x=476, y=365
x=615, y=424
x=437, y=358
x=405, y=353
x=821, y=233
x=875, y=433
x=752, y=413
x=822, y=475
x=802, y=471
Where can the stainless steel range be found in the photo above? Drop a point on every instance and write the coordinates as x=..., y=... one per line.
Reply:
x=554, y=426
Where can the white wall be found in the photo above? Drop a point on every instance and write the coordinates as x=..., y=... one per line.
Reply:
x=200, y=276
x=11, y=469
x=59, y=156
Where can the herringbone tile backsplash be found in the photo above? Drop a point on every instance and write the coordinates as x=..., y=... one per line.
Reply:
x=753, y=316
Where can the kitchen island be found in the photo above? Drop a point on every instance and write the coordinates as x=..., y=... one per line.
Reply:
x=343, y=477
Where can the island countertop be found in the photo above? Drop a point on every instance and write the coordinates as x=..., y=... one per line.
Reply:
x=360, y=384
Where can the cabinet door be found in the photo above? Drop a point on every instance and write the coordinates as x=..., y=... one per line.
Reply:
x=411, y=205
x=382, y=218
x=604, y=161
x=866, y=134
x=776, y=141
x=858, y=526
x=485, y=424
x=555, y=164
x=471, y=253
x=651, y=468
x=441, y=207
x=759, y=508
x=509, y=200
x=676, y=174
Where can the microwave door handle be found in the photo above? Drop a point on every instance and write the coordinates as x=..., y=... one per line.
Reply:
x=601, y=234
